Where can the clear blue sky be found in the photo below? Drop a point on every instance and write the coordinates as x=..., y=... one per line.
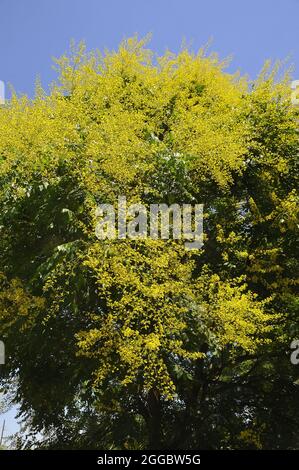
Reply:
x=32, y=31
x=11, y=424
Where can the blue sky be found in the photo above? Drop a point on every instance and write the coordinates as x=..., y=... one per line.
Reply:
x=11, y=425
x=33, y=31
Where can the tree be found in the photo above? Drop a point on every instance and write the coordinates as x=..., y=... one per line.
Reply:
x=124, y=343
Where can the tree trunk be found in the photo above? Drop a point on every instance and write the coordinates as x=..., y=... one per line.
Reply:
x=154, y=421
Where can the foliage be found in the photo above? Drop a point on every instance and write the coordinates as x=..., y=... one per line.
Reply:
x=125, y=343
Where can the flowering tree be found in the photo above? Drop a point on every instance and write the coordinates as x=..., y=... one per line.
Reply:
x=131, y=341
